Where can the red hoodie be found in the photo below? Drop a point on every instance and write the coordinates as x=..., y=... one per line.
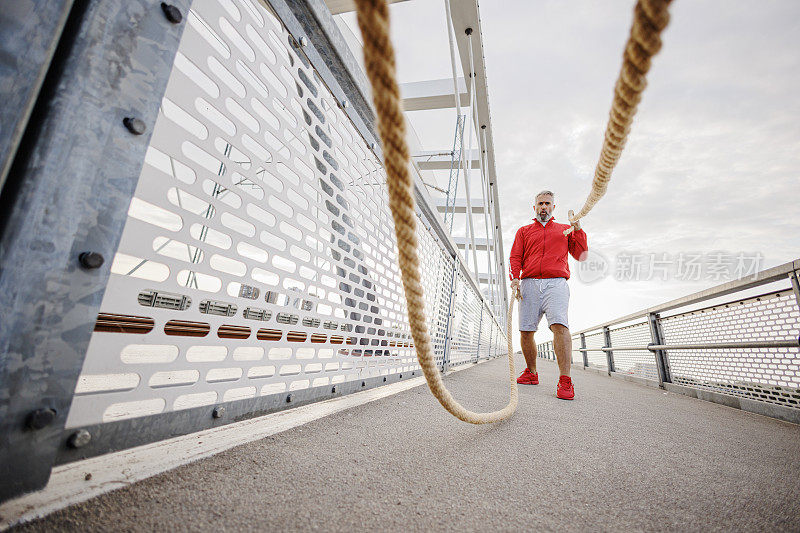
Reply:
x=541, y=252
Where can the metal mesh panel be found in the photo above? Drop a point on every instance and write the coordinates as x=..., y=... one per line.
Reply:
x=577, y=355
x=466, y=322
x=766, y=374
x=499, y=340
x=437, y=272
x=546, y=350
x=641, y=363
x=485, y=336
x=597, y=359
x=259, y=253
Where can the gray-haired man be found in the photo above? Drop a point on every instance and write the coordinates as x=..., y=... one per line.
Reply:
x=539, y=270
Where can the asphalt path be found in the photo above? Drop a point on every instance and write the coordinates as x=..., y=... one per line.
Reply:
x=620, y=456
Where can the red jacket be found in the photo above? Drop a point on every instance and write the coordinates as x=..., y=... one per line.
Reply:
x=541, y=252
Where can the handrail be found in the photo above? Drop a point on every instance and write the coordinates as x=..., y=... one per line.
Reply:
x=697, y=346
x=778, y=273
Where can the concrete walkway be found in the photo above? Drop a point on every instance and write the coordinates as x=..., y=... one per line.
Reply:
x=621, y=456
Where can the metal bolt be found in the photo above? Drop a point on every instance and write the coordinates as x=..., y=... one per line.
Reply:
x=345, y=103
x=172, y=13
x=384, y=379
x=90, y=260
x=134, y=125
x=373, y=146
x=303, y=41
x=79, y=439
x=333, y=390
x=288, y=398
x=468, y=31
x=483, y=126
x=218, y=412
x=363, y=383
x=41, y=418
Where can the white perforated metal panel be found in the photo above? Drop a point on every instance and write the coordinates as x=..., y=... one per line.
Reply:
x=640, y=363
x=259, y=253
x=765, y=374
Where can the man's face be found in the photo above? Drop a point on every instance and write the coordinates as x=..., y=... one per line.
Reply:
x=544, y=206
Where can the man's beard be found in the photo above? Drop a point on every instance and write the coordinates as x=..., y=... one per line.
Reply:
x=543, y=216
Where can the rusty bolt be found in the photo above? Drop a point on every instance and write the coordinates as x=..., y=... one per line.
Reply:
x=41, y=418
x=172, y=13
x=91, y=260
x=134, y=125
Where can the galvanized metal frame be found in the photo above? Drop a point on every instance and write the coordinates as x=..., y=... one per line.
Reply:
x=608, y=350
x=662, y=360
x=583, y=350
x=29, y=34
x=53, y=212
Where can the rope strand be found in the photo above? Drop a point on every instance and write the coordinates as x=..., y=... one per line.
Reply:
x=650, y=17
x=373, y=19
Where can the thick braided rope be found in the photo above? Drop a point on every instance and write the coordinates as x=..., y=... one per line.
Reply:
x=650, y=17
x=373, y=19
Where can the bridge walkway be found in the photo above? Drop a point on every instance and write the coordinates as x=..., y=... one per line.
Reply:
x=621, y=456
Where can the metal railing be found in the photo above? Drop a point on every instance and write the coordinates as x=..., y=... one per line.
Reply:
x=255, y=269
x=746, y=348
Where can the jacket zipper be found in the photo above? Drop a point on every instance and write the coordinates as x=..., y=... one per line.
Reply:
x=544, y=244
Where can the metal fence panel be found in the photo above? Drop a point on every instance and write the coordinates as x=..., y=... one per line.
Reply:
x=640, y=363
x=597, y=358
x=466, y=322
x=259, y=255
x=766, y=374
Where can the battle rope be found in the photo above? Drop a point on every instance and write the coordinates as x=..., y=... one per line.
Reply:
x=373, y=19
x=650, y=17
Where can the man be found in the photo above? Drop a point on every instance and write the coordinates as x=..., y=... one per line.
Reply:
x=539, y=270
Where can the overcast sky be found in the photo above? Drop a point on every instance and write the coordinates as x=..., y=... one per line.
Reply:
x=712, y=164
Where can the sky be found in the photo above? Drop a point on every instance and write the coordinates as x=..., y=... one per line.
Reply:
x=710, y=175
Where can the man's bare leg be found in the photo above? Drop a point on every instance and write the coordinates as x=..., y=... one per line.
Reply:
x=528, y=349
x=562, y=342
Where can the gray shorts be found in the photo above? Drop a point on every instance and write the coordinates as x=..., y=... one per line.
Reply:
x=549, y=296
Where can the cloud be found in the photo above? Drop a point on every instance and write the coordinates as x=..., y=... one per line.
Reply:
x=713, y=161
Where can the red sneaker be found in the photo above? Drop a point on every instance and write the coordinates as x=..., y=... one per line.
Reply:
x=564, y=390
x=528, y=378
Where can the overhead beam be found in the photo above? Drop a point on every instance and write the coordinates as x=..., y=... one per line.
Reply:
x=432, y=94
x=465, y=14
x=442, y=159
x=346, y=6
x=484, y=277
x=459, y=205
x=480, y=243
